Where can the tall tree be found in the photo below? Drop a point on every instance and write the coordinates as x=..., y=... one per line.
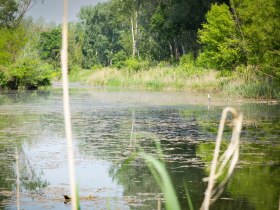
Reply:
x=8, y=10
x=100, y=34
x=221, y=48
x=260, y=26
x=13, y=11
x=75, y=39
x=11, y=42
x=50, y=46
x=129, y=11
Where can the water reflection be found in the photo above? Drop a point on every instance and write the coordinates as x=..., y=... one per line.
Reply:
x=107, y=126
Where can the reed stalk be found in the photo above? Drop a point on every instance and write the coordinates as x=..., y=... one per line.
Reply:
x=229, y=157
x=66, y=106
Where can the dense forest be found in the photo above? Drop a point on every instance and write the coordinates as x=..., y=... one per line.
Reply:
x=238, y=39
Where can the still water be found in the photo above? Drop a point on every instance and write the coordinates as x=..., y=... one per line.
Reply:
x=108, y=126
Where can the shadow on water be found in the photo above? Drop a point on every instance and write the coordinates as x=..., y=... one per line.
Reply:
x=102, y=123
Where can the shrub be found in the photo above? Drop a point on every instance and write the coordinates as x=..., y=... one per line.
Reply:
x=119, y=59
x=96, y=67
x=29, y=74
x=163, y=64
x=3, y=77
x=135, y=65
x=187, y=60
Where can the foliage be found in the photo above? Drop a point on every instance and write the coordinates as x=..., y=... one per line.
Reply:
x=50, y=46
x=28, y=73
x=240, y=38
x=155, y=78
x=135, y=65
x=75, y=40
x=147, y=30
x=221, y=48
x=13, y=11
x=11, y=42
x=187, y=61
x=20, y=65
x=3, y=77
x=260, y=27
x=119, y=59
x=100, y=35
x=8, y=9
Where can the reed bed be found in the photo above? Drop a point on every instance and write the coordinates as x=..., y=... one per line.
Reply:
x=155, y=78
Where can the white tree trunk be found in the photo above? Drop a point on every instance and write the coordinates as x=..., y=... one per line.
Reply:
x=133, y=38
x=171, y=51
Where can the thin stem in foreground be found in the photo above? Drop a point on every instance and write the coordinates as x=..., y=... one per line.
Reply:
x=66, y=106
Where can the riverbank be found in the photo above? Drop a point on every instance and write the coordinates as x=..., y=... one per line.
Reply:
x=179, y=79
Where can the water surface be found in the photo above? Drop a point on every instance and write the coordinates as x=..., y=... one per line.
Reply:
x=109, y=125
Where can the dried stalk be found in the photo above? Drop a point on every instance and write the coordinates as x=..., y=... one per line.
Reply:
x=230, y=156
x=66, y=106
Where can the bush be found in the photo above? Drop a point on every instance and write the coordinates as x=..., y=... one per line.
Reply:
x=3, y=77
x=119, y=59
x=29, y=74
x=187, y=64
x=135, y=65
x=224, y=73
x=187, y=60
x=96, y=67
x=163, y=64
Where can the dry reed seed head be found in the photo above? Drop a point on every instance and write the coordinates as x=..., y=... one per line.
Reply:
x=230, y=156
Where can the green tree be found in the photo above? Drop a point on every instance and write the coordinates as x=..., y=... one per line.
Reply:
x=170, y=27
x=11, y=42
x=75, y=40
x=50, y=46
x=28, y=73
x=8, y=9
x=20, y=64
x=13, y=11
x=100, y=35
x=219, y=39
x=259, y=23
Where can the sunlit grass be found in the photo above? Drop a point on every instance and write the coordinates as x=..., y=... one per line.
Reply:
x=180, y=78
x=258, y=90
x=156, y=78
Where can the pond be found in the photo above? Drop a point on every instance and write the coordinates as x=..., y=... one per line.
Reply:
x=108, y=126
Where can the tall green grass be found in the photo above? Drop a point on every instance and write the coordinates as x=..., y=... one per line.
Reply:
x=155, y=78
x=244, y=82
x=257, y=90
x=162, y=177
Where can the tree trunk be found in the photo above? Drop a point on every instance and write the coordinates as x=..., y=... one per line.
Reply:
x=171, y=51
x=133, y=38
x=177, y=53
x=183, y=49
x=136, y=34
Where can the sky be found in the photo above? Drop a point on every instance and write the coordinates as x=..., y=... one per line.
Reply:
x=51, y=10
